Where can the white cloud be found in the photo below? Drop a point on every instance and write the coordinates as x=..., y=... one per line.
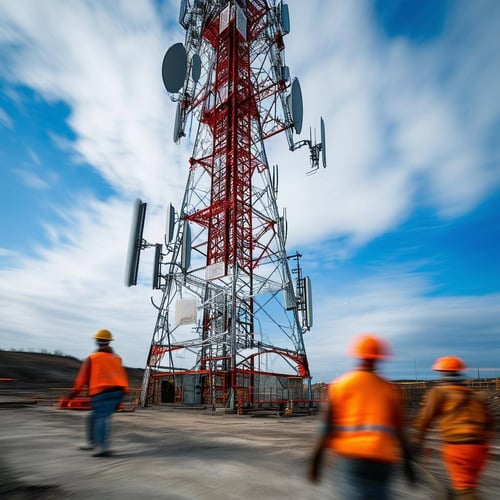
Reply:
x=396, y=133
x=4, y=252
x=104, y=61
x=406, y=124
x=59, y=299
x=34, y=157
x=5, y=119
x=30, y=179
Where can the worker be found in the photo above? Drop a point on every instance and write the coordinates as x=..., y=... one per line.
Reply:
x=466, y=426
x=104, y=375
x=364, y=426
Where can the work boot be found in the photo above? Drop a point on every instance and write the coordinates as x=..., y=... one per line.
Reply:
x=102, y=453
x=86, y=447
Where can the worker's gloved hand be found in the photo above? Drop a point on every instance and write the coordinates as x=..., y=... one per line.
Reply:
x=409, y=471
x=71, y=395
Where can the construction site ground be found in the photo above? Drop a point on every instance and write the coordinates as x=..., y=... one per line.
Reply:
x=169, y=453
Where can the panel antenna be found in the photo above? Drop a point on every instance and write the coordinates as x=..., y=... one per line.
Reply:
x=135, y=244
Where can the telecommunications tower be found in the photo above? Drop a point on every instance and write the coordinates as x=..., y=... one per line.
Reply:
x=234, y=306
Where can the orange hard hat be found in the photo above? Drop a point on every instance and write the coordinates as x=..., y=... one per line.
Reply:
x=367, y=346
x=449, y=364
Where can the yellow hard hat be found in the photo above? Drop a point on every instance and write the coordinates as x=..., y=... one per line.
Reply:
x=367, y=346
x=449, y=364
x=103, y=335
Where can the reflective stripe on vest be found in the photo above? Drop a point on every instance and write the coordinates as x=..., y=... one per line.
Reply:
x=365, y=428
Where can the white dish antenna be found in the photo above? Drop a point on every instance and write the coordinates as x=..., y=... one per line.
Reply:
x=174, y=68
x=186, y=312
x=215, y=270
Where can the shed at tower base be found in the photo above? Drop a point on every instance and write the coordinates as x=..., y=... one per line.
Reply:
x=270, y=391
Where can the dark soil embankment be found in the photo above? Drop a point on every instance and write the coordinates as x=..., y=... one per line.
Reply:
x=39, y=372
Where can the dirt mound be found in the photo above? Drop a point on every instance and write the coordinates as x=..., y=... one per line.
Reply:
x=39, y=371
x=32, y=367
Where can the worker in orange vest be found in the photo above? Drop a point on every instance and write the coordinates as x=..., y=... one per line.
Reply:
x=466, y=426
x=104, y=375
x=364, y=426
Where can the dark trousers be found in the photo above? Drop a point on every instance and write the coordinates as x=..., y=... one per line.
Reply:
x=358, y=479
x=99, y=419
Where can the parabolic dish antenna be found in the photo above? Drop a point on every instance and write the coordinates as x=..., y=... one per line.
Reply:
x=295, y=103
x=323, y=142
x=196, y=67
x=174, y=67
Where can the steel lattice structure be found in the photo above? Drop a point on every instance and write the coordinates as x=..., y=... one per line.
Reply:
x=241, y=342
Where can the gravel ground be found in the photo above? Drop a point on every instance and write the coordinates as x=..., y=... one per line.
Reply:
x=176, y=454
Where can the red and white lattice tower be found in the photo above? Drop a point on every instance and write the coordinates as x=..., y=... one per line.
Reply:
x=230, y=325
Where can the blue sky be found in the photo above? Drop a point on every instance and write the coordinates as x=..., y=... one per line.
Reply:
x=400, y=234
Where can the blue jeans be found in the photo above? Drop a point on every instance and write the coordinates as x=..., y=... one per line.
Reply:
x=99, y=419
x=357, y=479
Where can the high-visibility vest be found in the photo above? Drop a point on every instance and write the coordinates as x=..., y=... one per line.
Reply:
x=102, y=371
x=463, y=416
x=366, y=414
